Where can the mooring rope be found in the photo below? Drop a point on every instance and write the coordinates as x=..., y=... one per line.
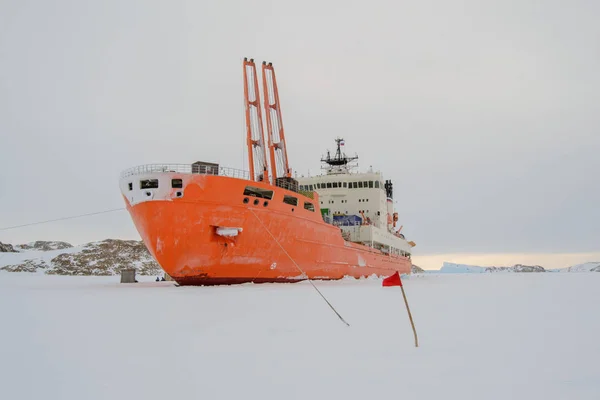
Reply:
x=300, y=269
x=61, y=219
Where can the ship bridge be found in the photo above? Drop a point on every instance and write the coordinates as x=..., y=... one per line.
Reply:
x=350, y=199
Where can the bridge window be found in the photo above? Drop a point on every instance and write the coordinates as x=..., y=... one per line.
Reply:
x=360, y=185
x=130, y=184
x=366, y=183
x=370, y=184
x=328, y=185
x=335, y=184
x=291, y=200
x=309, y=206
x=344, y=184
x=149, y=184
x=376, y=184
x=176, y=183
x=258, y=192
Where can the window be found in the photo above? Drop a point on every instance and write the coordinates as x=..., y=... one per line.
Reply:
x=376, y=184
x=291, y=200
x=366, y=184
x=344, y=184
x=360, y=200
x=311, y=187
x=130, y=184
x=339, y=184
x=335, y=184
x=370, y=184
x=328, y=185
x=176, y=183
x=309, y=206
x=258, y=192
x=149, y=184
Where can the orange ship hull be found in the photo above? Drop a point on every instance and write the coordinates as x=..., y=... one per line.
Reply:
x=182, y=233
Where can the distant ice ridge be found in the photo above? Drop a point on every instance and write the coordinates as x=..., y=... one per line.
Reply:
x=452, y=268
x=585, y=267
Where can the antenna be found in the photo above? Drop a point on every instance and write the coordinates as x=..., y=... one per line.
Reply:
x=339, y=163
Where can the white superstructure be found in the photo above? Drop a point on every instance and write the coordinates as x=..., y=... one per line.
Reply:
x=361, y=204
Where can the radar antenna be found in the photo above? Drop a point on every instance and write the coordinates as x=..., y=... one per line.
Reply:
x=340, y=163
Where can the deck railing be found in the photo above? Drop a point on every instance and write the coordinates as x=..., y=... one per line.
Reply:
x=186, y=169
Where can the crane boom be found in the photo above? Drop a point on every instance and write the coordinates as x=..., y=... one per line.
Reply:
x=277, y=146
x=257, y=152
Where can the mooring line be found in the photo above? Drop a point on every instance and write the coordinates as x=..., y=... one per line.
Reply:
x=300, y=269
x=61, y=219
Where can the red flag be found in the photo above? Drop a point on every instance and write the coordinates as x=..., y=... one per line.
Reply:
x=393, y=280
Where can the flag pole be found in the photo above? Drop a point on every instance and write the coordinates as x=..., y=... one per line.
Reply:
x=410, y=317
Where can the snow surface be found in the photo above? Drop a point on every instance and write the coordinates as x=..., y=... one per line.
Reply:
x=482, y=336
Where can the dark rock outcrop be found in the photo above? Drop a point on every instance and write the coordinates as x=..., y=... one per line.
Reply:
x=416, y=269
x=44, y=246
x=108, y=257
x=517, y=268
x=6, y=248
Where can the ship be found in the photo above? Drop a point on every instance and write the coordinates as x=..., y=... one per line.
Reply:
x=207, y=224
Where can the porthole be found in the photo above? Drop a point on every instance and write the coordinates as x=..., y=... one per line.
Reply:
x=246, y=200
x=266, y=203
x=148, y=194
x=179, y=194
x=292, y=210
x=255, y=202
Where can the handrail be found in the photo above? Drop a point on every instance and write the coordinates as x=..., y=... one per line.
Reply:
x=186, y=169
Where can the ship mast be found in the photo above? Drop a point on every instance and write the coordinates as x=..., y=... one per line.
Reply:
x=340, y=163
x=257, y=152
x=277, y=147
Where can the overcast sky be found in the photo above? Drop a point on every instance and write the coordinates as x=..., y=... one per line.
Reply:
x=485, y=114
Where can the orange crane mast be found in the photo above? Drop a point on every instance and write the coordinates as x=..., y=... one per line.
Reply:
x=277, y=146
x=257, y=152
